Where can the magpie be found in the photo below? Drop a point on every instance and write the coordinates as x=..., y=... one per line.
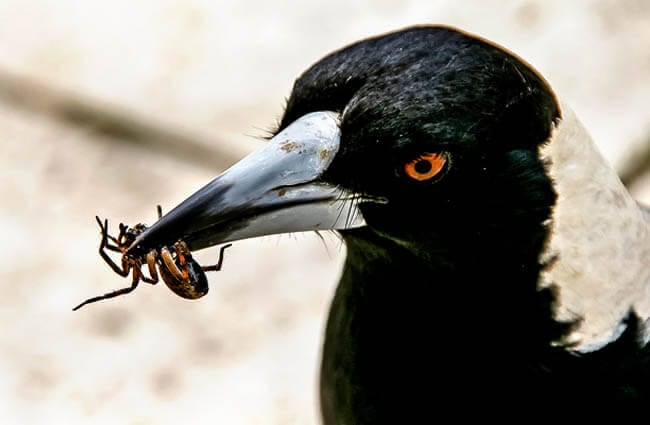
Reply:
x=493, y=257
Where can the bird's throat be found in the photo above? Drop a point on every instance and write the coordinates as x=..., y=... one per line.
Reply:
x=399, y=320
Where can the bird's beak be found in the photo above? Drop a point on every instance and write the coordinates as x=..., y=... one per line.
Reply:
x=275, y=189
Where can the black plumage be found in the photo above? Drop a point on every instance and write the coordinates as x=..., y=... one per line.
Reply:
x=440, y=290
x=441, y=301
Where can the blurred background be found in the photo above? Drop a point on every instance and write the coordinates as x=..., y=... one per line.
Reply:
x=110, y=108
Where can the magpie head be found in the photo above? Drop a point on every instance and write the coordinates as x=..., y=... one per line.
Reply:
x=436, y=125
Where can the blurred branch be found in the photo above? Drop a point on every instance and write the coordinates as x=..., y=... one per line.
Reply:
x=637, y=165
x=119, y=124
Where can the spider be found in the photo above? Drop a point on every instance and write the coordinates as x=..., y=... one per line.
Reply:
x=180, y=272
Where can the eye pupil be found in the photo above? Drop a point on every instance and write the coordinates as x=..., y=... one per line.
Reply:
x=423, y=166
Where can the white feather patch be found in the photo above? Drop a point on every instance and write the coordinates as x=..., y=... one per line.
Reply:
x=599, y=246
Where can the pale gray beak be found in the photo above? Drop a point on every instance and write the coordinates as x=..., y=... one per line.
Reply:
x=275, y=189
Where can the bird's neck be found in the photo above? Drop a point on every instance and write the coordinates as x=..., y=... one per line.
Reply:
x=460, y=318
x=468, y=319
x=482, y=281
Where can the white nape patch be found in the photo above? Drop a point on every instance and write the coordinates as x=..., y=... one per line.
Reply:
x=599, y=247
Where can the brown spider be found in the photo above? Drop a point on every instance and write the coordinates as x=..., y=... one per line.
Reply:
x=180, y=272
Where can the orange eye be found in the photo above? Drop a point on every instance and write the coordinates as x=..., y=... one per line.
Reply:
x=425, y=166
